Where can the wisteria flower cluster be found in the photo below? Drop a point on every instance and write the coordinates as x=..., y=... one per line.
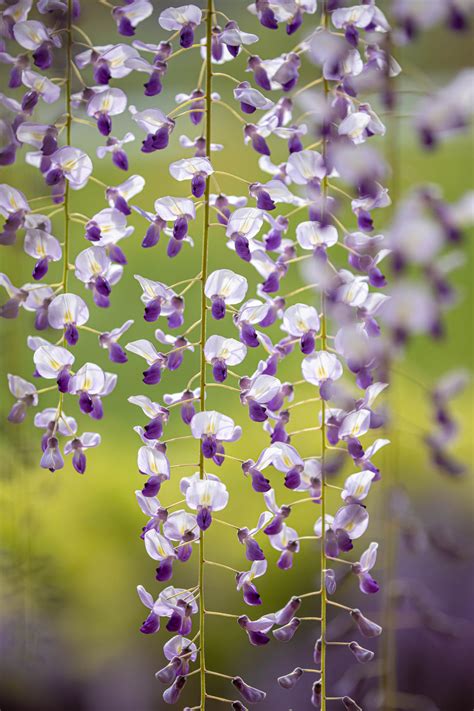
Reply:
x=98, y=264
x=287, y=217
x=260, y=233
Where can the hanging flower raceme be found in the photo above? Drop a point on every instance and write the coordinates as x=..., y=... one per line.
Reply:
x=46, y=234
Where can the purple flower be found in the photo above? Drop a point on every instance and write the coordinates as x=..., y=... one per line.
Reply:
x=77, y=446
x=246, y=584
x=284, y=458
x=249, y=693
x=212, y=428
x=288, y=681
x=257, y=629
x=205, y=496
x=25, y=395
x=171, y=695
x=367, y=561
x=366, y=626
x=362, y=655
x=286, y=541
x=128, y=16
x=54, y=362
x=103, y=105
x=224, y=287
x=52, y=458
x=184, y=19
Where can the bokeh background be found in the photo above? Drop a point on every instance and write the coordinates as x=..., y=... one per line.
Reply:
x=70, y=552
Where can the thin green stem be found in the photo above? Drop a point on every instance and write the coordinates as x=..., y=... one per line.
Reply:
x=222, y=676
x=225, y=523
x=89, y=329
x=189, y=111
x=202, y=378
x=220, y=565
x=213, y=613
x=323, y=561
x=388, y=659
x=201, y=74
x=232, y=175
x=226, y=76
x=315, y=82
x=303, y=402
x=194, y=325
x=97, y=181
x=46, y=390
x=70, y=27
x=182, y=105
x=299, y=291
x=67, y=219
x=224, y=386
x=182, y=51
x=340, y=605
x=306, y=429
x=232, y=111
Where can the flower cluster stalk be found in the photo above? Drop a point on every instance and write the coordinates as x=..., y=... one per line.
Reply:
x=204, y=274
x=324, y=345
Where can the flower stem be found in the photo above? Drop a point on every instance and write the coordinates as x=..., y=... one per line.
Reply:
x=323, y=561
x=68, y=89
x=388, y=661
x=67, y=218
x=202, y=378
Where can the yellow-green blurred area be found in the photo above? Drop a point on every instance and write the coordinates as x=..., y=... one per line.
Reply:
x=71, y=555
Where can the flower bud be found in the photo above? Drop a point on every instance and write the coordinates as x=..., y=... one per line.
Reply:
x=317, y=652
x=330, y=581
x=287, y=632
x=249, y=693
x=168, y=674
x=366, y=626
x=172, y=694
x=290, y=680
x=287, y=613
x=316, y=695
x=362, y=655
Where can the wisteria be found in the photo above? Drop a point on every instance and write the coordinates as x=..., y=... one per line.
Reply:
x=64, y=168
x=326, y=336
x=308, y=210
